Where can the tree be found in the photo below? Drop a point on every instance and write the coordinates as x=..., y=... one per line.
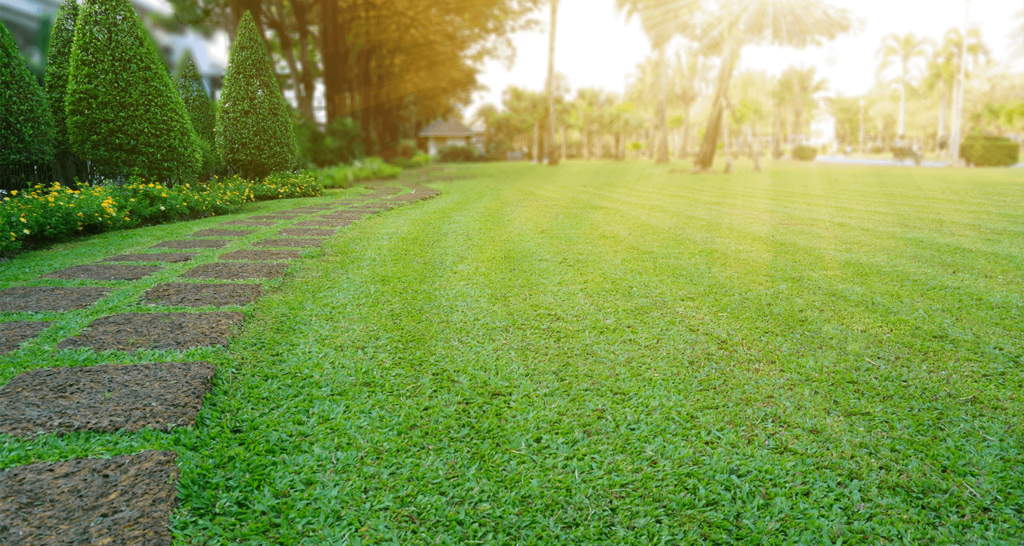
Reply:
x=552, y=114
x=253, y=131
x=798, y=88
x=26, y=124
x=687, y=76
x=58, y=66
x=661, y=20
x=942, y=69
x=738, y=23
x=200, y=112
x=903, y=51
x=124, y=113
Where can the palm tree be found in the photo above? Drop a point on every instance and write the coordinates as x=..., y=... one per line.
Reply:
x=902, y=50
x=738, y=23
x=661, y=20
x=552, y=157
x=686, y=81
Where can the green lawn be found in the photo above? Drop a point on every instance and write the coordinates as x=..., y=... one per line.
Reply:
x=611, y=353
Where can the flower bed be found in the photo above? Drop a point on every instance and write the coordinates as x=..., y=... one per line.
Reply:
x=54, y=213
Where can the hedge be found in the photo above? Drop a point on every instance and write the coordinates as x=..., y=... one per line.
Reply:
x=805, y=153
x=26, y=123
x=124, y=114
x=989, y=151
x=343, y=176
x=200, y=112
x=254, y=132
x=58, y=65
x=455, y=153
x=53, y=213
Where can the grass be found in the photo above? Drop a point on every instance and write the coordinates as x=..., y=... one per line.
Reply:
x=612, y=353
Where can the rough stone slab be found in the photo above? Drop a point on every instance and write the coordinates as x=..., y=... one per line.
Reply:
x=276, y=216
x=193, y=244
x=133, y=331
x=131, y=397
x=103, y=272
x=222, y=233
x=326, y=222
x=249, y=223
x=121, y=501
x=199, y=295
x=234, y=271
x=13, y=334
x=261, y=255
x=161, y=257
x=307, y=232
x=312, y=208
x=287, y=243
x=38, y=299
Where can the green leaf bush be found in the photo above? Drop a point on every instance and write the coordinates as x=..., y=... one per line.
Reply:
x=124, y=114
x=341, y=143
x=200, y=113
x=805, y=153
x=989, y=151
x=286, y=186
x=58, y=65
x=343, y=176
x=457, y=154
x=26, y=123
x=254, y=132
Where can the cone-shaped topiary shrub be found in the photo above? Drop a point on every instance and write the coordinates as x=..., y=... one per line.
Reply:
x=26, y=124
x=200, y=111
x=58, y=63
x=254, y=132
x=124, y=113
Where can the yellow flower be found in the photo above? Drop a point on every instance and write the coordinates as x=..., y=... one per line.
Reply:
x=26, y=231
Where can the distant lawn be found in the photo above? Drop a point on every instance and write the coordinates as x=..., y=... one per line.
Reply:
x=609, y=353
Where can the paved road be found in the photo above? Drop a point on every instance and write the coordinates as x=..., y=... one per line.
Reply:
x=886, y=162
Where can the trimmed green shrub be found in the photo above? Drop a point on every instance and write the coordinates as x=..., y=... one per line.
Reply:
x=124, y=113
x=989, y=151
x=286, y=186
x=200, y=113
x=805, y=153
x=26, y=124
x=343, y=142
x=418, y=160
x=254, y=132
x=456, y=154
x=58, y=66
x=371, y=168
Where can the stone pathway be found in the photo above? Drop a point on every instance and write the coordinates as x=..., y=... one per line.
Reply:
x=129, y=499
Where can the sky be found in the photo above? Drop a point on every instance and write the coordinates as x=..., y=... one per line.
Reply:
x=596, y=47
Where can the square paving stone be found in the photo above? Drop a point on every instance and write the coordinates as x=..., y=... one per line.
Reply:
x=131, y=397
x=307, y=232
x=198, y=295
x=222, y=233
x=104, y=272
x=162, y=257
x=287, y=243
x=250, y=223
x=133, y=331
x=122, y=501
x=37, y=299
x=13, y=334
x=193, y=244
x=273, y=217
x=234, y=271
x=261, y=255
x=326, y=222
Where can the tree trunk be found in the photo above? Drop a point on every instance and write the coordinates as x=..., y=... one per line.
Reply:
x=706, y=155
x=662, y=115
x=903, y=109
x=728, y=142
x=333, y=61
x=586, y=145
x=552, y=158
x=309, y=87
x=562, y=129
x=536, y=143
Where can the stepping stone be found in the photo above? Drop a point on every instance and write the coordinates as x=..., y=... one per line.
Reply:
x=104, y=272
x=162, y=257
x=261, y=255
x=13, y=334
x=249, y=223
x=193, y=244
x=38, y=299
x=236, y=271
x=121, y=501
x=311, y=209
x=133, y=331
x=198, y=295
x=130, y=397
x=222, y=233
x=287, y=243
x=307, y=232
x=327, y=222
x=274, y=217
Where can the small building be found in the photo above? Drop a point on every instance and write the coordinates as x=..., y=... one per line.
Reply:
x=449, y=133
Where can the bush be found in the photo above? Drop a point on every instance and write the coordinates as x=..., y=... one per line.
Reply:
x=199, y=108
x=26, y=123
x=58, y=66
x=876, y=149
x=254, y=132
x=343, y=142
x=456, y=154
x=989, y=151
x=124, y=114
x=286, y=186
x=416, y=161
x=372, y=168
x=805, y=153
